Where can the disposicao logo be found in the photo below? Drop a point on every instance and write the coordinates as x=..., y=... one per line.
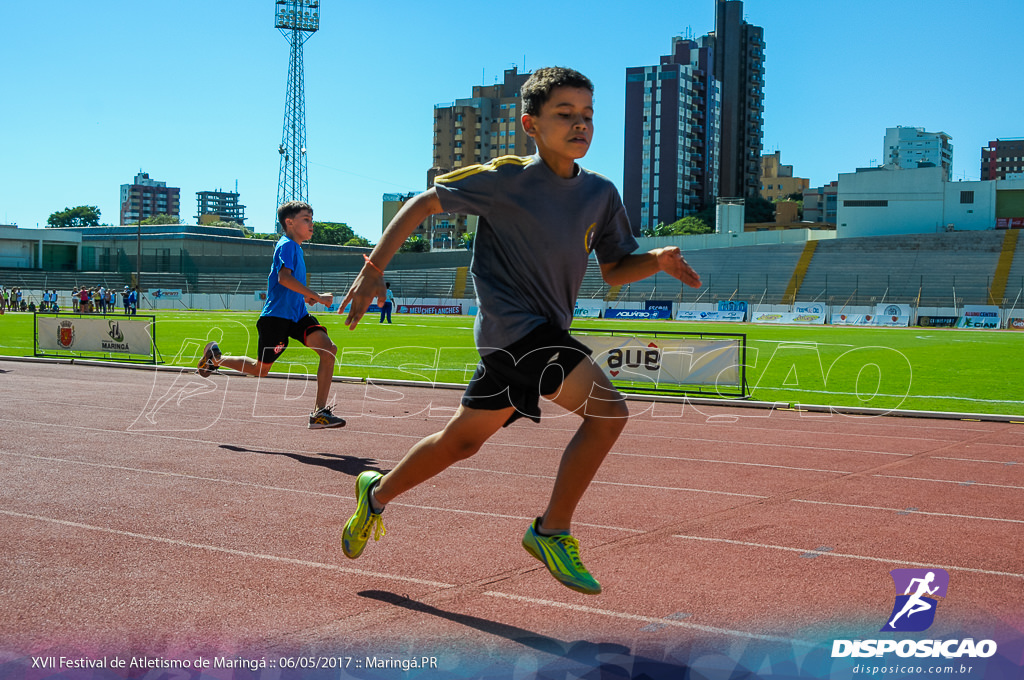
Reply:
x=914, y=610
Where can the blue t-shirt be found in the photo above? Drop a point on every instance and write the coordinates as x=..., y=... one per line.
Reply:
x=285, y=302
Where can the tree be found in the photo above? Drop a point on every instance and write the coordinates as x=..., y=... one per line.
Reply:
x=690, y=224
x=161, y=219
x=758, y=209
x=359, y=241
x=332, y=233
x=81, y=216
x=467, y=240
x=415, y=244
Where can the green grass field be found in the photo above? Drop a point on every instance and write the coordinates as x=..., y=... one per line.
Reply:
x=928, y=369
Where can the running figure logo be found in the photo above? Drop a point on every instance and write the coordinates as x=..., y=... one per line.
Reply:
x=915, y=608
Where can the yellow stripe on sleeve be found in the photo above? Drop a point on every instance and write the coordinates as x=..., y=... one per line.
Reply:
x=462, y=173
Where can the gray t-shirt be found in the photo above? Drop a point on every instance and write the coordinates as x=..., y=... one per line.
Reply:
x=535, y=234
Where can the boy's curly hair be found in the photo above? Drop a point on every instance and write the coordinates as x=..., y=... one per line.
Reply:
x=291, y=209
x=536, y=91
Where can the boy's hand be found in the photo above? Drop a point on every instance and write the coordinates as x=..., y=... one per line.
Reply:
x=670, y=260
x=367, y=286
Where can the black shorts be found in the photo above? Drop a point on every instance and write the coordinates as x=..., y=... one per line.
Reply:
x=519, y=374
x=274, y=332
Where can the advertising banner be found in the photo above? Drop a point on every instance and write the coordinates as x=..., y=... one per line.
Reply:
x=429, y=309
x=590, y=309
x=643, y=314
x=894, y=310
x=733, y=306
x=803, y=318
x=885, y=315
x=985, y=317
x=938, y=321
x=817, y=308
x=165, y=293
x=851, y=319
x=693, y=315
x=667, y=360
x=1015, y=324
x=121, y=335
x=659, y=304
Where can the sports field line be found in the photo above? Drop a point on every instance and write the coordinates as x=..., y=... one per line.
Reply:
x=227, y=551
x=382, y=575
x=640, y=618
x=339, y=496
x=909, y=511
x=895, y=396
x=981, y=460
x=731, y=462
x=959, y=482
x=828, y=553
x=166, y=435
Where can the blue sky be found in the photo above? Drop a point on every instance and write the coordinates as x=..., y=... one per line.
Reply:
x=192, y=91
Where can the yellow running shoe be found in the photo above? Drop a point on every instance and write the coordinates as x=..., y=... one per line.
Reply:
x=357, y=530
x=561, y=555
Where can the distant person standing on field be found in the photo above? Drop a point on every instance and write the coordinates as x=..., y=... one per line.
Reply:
x=389, y=301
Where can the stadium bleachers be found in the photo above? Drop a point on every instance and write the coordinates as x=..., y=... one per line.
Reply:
x=945, y=269
x=940, y=270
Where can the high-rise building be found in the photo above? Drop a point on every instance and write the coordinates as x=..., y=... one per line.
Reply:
x=219, y=206
x=476, y=130
x=670, y=154
x=694, y=122
x=912, y=147
x=739, y=66
x=777, y=180
x=483, y=127
x=1003, y=159
x=145, y=198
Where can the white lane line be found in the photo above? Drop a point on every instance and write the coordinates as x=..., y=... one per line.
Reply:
x=910, y=511
x=179, y=475
x=518, y=518
x=868, y=558
x=730, y=462
x=979, y=460
x=330, y=495
x=647, y=619
x=960, y=482
x=607, y=483
x=227, y=551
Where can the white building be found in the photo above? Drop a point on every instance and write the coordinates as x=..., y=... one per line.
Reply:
x=912, y=148
x=887, y=200
x=53, y=249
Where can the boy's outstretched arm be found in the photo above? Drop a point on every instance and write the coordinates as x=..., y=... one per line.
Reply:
x=369, y=284
x=287, y=279
x=635, y=267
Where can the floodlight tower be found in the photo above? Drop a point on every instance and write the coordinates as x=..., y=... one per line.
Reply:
x=297, y=20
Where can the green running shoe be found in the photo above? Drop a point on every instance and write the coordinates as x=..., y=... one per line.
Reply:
x=561, y=555
x=357, y=530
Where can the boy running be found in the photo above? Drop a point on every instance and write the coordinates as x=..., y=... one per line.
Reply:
x=284, y=316
x=540, y=218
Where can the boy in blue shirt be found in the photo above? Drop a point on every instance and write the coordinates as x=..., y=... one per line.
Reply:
x=540, y=219
x=284, y=316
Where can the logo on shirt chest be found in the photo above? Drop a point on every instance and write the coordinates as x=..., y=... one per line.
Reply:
x=588, y=238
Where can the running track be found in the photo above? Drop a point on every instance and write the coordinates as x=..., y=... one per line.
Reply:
x=151, y=513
